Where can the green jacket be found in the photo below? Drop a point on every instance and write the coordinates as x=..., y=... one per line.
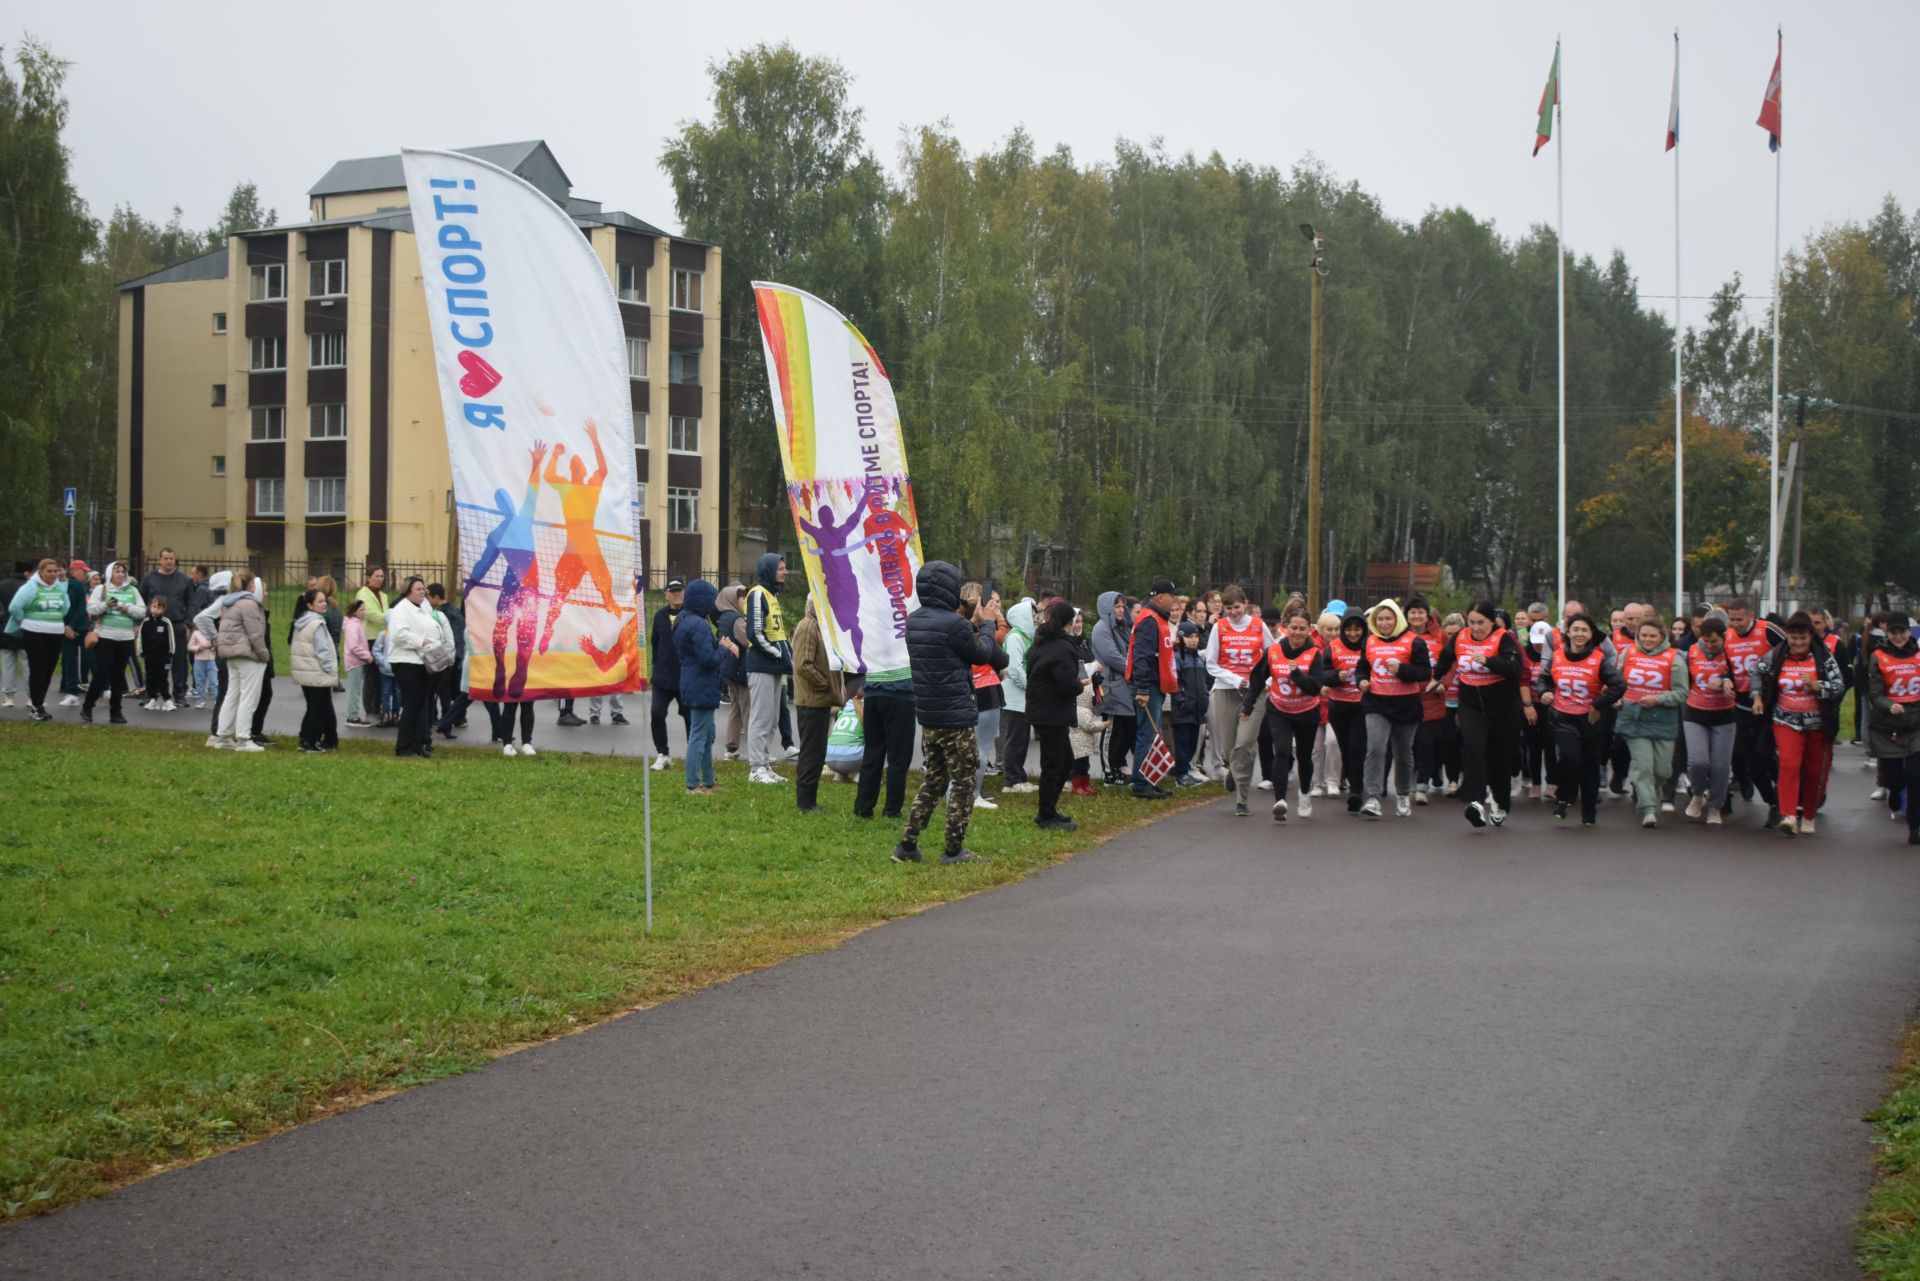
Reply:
x=1659, y=717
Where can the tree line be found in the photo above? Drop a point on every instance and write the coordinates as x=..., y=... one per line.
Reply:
x=1111, y=359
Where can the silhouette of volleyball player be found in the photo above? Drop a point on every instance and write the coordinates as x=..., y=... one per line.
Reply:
x=843, y=585
x=579, y=503
x=517, y=608
x=626, y=648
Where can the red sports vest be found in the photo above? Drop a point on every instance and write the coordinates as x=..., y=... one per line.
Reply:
x=1168, y=681
x=1900, y=677
x=1380, y=655
x=1799, y=685
x=1470, y=658
x=1833, y=643
x=1346, y=670
x=1647, y=673
x=1744, y=651
x=1239, y=650
x=1576, y=683
x=1284, y=694
x=1702, y=670
x=1622, y=643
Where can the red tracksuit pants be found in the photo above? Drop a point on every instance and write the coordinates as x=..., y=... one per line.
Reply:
x=1805, y=757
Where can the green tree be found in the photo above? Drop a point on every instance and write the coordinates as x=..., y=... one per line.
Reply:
x=244, y=212
x=44, y=237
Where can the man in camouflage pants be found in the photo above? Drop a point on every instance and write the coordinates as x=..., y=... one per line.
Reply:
x=946, y=640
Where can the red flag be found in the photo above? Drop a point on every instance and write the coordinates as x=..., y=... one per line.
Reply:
x=1770, y=105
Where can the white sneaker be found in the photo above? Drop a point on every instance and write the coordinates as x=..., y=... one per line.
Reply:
x=1789, y=826
x=1649, y=820
x=765, y=774
x=1306, y=805
x=71, y=700
x=1371, y=807
x=1265, y=785
x=214, y=740
x=733, y=754
x=1453, y=788
x=526, y=749
x=1403, y=806
x=1713, y=818
x=1420, y=798
x=1696, y=806
x=1495, y=813
x=248, y=745
x=1806, y=827
x=1878, y=794
x=661, y=763
x=167, y=705
x=508, y=749
x=1666, y=807
x=982, y=803
x=7, y=701
x=151, y=705
x=1280, y=810
x=1034, y=787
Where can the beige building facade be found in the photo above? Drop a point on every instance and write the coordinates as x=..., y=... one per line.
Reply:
x=279, y=402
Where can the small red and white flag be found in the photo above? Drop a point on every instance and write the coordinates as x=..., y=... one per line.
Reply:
x=1159, y=762
x=1673, y=108
x=1770, y=105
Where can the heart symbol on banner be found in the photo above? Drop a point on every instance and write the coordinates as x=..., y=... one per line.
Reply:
x=480, y=377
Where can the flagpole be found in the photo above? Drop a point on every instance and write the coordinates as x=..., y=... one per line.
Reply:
x=1560, y=304
x=1679, y=440
x=1773, y=438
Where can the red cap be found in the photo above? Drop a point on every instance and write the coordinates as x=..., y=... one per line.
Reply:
x=77, y=567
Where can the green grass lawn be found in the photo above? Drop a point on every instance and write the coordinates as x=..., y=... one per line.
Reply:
x=199, y=947
x=1889, y=1235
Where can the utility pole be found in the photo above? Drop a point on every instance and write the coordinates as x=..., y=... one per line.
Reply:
x=1319, y=269
x=1799, y=483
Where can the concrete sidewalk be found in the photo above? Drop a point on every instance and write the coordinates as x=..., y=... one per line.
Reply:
x=1216, y=1048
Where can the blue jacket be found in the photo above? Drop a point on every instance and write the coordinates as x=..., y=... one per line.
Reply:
x=943, y=648
x=701, y=658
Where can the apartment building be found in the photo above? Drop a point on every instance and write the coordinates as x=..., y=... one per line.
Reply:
x=278, y=400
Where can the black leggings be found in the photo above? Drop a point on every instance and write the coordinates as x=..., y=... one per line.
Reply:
x=1582, y=748
x=1119, y=743
x=43, y=651
x=501, y=714
x=1054, y=754
x=662, y=697
x=318, y=727
x=110, y=659
x=1753, y=760
x=1293, y=735
x=1486, y=754
x=1349, y=725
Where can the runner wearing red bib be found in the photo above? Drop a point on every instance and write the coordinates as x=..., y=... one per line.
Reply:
x=1291, y=674
x=1893, y=729
x=1579, y=681
x=1395, y=667
x=1707, y=721
x=1647, y=722
x=1346, y=716
x=1795, y=686
x=1430, y=739
x=1234, y=647
x=1485, y=659
x=1749, y=641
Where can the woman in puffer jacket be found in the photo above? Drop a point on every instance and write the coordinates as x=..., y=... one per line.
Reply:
x=412, y=628
x=242, y=643
x=316, y=667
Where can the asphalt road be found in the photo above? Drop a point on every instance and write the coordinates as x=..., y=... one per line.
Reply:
x=1212, y=1048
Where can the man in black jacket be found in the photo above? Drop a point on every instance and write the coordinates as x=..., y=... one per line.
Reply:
x=13, y=651
x=665, y=677
x=944, y=645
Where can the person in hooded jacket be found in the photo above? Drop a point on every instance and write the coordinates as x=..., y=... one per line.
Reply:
x=664, y=680
x=943, y=646
x=1022, y=626
x=769, y=661
x=704, y=661
x=1109, y=641
x=1800, y=685
x=315, y=666
x=1395, y=667
x=1893, y=730
x=1578, y=682
x=1649, y=717
x=730, y=622
x=243, y=646
x=1187, y=713
x=118, y=609
x=1052, y=686
x=1484, y=658
x=1346, y=703
x=1291, y=674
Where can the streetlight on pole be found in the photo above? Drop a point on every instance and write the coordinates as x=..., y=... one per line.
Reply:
x=1319, y=268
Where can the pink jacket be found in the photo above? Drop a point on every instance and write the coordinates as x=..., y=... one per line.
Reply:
x=353, y=636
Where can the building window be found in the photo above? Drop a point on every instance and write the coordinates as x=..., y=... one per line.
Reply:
x=327, y=422
x=219, y=322
x=326, y=495
x=683, y=511
x=219, y=464
x=687, y=289
x=269, y=355
x=636, y=357
x=267, y=282
x=269, y=496
x=640, y=423
x=219, y=537
x=327, y=278
x=326, y=351
x=684, y=366
x=641, y=488
x=219, y=395
x=269, y=423
x=633, y=281
x=683, y=435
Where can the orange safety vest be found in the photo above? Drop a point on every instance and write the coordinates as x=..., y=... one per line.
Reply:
x=1799, y=685
x=1899, y=676
x=1346, y=670
x=1169, y=682
x=1576, y=682
x=1744, y=651
x=1240, y=649
x=1701, y=670
x=1381, y=654
x=1648, y=673
x=1281, y=690
x=1470, y=658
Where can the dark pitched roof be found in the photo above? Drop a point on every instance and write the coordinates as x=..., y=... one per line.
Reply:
x=211, y=265
x=383, y=173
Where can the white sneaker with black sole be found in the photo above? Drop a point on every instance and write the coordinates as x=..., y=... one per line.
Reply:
x=661, y=763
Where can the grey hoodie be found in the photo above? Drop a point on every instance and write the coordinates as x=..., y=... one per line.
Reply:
x=1110, y=650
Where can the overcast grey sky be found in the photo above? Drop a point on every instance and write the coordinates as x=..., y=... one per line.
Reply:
x=1422, y=104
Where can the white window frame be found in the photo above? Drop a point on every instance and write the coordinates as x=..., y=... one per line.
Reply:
x=689, y=289
x=678, y=365
x=276, y=355
x=679, y=426
x=280, y=508
x=322, y=508
x=317, y=343
x=327, y=278
x=329, y=423
x=630, y=281
x=676, y=496
x=219, y=464
x=266, y=424
x=637, y=346
x=642, y=426
x=267, y=282
x=219, y=322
